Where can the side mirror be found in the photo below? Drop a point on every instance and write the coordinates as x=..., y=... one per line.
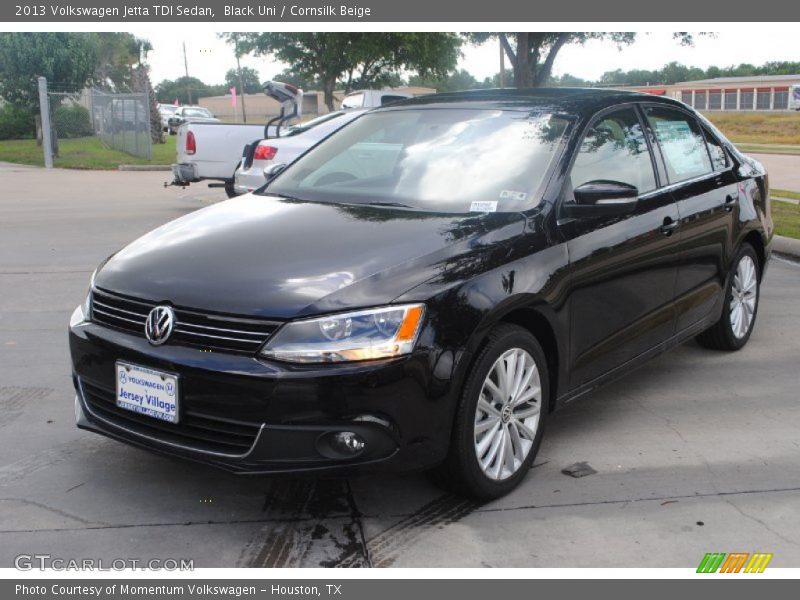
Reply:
x=602, y=199
x=273, y=171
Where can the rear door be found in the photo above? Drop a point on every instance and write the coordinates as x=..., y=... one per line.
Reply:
x=705, y=188
x=623, y=268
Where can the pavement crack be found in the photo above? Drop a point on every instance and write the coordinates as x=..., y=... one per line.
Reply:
x=55, y=511
x=760, y=522
x=407, y=518
x=357, y=518
x=716, y=493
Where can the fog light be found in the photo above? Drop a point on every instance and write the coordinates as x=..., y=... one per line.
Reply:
x=348, y=442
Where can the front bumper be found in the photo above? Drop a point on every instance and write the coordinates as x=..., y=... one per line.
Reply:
x=247, y=415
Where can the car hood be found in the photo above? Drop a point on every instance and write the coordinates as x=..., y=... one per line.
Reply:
x=275, y=257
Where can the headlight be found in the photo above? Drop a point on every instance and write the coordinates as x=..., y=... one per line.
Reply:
x=363, y=335
x=84, y=312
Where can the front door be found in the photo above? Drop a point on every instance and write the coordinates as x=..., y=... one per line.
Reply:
x=622, y=268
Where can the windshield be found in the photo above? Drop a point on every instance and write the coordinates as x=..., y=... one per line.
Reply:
x=196, y=112
x=443, y=160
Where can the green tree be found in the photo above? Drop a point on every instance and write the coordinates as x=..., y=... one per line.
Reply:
x=118, y=55
x=458, y=81
x=567, y=80
x=533, y=54
x=495, y=82
x=67, y=60
x=170, y=89
x=250, y=79
x=365, y=59
x=303, y=82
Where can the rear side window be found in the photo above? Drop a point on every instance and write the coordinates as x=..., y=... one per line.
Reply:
x=615, y=149
x=719, y=159
x=682, y=144
x=388, y=98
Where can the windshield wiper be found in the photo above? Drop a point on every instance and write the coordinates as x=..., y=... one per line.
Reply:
x=397, y=204
x=287, y=197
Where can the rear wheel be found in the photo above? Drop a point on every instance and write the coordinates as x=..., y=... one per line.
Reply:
x=735, y=325
x=230, y=190
x=501, y=415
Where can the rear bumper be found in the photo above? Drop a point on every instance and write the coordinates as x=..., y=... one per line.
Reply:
x=184, y=173
x=248, y=180
x=249, y=416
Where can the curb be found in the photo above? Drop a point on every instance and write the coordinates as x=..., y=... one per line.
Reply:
x=144, y=168
x=786, y=246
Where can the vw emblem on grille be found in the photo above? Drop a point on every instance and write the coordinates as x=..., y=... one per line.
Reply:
x=158, y=326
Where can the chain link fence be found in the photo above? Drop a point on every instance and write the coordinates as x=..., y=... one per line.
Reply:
x=123, y=122
x=119, y=121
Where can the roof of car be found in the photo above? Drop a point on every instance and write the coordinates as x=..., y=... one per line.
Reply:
x=568, y=100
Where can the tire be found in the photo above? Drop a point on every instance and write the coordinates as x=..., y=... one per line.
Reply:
x=742, y=294
x=230, y=190
x=486, y=479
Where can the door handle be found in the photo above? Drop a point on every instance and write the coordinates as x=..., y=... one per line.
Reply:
x=729, y=203
x=669, y=226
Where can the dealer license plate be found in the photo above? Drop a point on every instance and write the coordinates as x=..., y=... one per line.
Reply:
x=147, y=392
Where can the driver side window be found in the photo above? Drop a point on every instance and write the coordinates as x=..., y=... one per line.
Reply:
x=615, y=149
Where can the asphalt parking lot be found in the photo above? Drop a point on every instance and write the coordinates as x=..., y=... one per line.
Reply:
x=696, y=452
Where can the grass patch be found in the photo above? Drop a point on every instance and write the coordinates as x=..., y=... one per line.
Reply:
x=784, y=194
x=768, y=149
x=83, y=153
x=758, y=128
x=786, y=217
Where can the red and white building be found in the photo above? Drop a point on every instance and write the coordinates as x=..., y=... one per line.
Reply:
x=757, y=93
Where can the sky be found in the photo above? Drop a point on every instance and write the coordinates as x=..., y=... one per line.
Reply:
x=210, y=58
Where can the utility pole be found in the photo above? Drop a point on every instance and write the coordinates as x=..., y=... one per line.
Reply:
x=241, y=79
x=502, y=64
x=47, y=132
x=186, y=70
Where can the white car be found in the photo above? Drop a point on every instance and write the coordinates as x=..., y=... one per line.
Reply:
x=794, y=98
x=190, y=114
x=166, y=111
x=285, y=149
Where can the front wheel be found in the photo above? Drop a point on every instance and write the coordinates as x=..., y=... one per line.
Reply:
x=742, y=293
x=501, y=416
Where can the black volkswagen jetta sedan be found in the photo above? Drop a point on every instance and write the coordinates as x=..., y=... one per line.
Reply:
x=424, y=286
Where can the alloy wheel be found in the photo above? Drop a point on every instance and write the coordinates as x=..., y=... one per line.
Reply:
x=507, y=414
x=744, y=296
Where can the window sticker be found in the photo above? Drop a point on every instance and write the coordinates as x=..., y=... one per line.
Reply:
x=483, y=206
x=683, y=152
x=513, y=195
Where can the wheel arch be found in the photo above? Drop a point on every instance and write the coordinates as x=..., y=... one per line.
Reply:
x=756, y=241
x=539, y=321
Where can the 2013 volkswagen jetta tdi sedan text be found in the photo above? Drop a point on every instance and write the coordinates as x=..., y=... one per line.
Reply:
x=424, y=286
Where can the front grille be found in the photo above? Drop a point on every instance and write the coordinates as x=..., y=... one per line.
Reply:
x=192, y=328
x=194, y=430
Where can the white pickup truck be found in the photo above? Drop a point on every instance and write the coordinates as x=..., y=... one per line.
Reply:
x=372, y=98
x=213, y=150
